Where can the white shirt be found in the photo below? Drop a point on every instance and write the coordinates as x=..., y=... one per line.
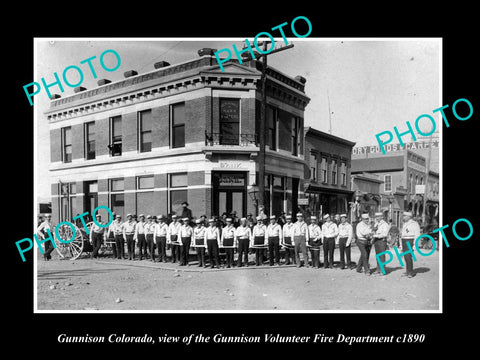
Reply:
x=329, y=229
x=315, y=232
x=382, y=229
x=274, y=230
x=199, y=233
x=228, y=232
x=259, y=230
x=301, y=228
x=129, y=227
x=173, y=229
x=161, y=229
x=243, y=232
x=345, y=230
x=186, y=231
x=288, y=230
x=139, y=228
x=212, y=233
x=150, y=227
x=363, y=230
x=44, y=226
x=410, y=230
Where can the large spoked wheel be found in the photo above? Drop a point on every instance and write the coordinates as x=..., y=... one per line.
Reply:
x=73, y=249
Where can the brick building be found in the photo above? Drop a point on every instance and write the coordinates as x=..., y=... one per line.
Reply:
x=182, y=132
x=401, y=172
x=328, y=183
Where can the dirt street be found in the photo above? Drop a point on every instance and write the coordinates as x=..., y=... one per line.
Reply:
x=111, y=284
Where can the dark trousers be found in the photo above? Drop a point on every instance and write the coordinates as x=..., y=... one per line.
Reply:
x=364, y=256
x=175, y=249
x=259, y=253
x=142, y=244
x=120, y=244
x=301, y=245
x=229, y=256
x=258, y=256
x=274, y=249
x=97, y=240
x=408, y=257
x=243, y=251
x=328, y=250
x=315, y=253
x=114, y=246
x=130, y=247
x=212, y=247
x=380, y=246
x=151, y=246
x=185, y=250
x=161, y=247
x=200, y=255
x=344, y=250
x=48, y=249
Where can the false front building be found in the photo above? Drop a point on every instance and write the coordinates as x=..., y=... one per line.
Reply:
x=183, y=132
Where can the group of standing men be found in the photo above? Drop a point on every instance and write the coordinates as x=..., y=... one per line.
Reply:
x=150, y=233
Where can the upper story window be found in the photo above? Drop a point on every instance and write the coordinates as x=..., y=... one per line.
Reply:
x=334, y=172
x=116, y=136
x=272, y=127
x=177, y=121
x=229, y=121
x=145, y=130
x=295, y=135
x=313, y=167
x=67, y=144
x=323, y=168
x=90, y=140
x=387, y=183
x=343, y=173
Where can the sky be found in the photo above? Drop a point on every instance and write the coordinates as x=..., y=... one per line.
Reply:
x=369, y=85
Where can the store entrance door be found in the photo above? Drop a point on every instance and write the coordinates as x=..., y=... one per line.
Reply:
x=229, y=193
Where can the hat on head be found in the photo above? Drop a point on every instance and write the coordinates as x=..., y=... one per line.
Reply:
x=98, y=215
x=129, y=215
x=117, y=216
x=243, y=219
x=149, y=216
x=343, y=215
x=174, y=216
x=299, y=214
x=160, y=217
x=378, y=214
x=198, y=221
x=141, y=215
x=228, y=219
x=186, y=203
x=185, y=219
x=272, y=217
x=288, y=217
x=365, y=216
x=326, y=216
x=211, y=220
x=313, y=218
x=407, y=213
x=259, y=217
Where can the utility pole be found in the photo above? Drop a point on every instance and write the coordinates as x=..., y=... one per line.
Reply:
x=427, y=173
x=263, y=118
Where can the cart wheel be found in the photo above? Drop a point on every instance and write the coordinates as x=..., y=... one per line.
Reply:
x=74, y=248
x=427, y=244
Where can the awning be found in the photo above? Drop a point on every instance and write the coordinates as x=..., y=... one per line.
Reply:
x=320, y=189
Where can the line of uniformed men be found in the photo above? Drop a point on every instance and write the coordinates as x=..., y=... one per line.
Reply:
x=294, y=237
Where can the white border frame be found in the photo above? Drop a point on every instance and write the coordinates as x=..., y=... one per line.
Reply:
x=35, y=188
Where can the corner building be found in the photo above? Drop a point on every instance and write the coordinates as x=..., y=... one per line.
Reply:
x=183, y=132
